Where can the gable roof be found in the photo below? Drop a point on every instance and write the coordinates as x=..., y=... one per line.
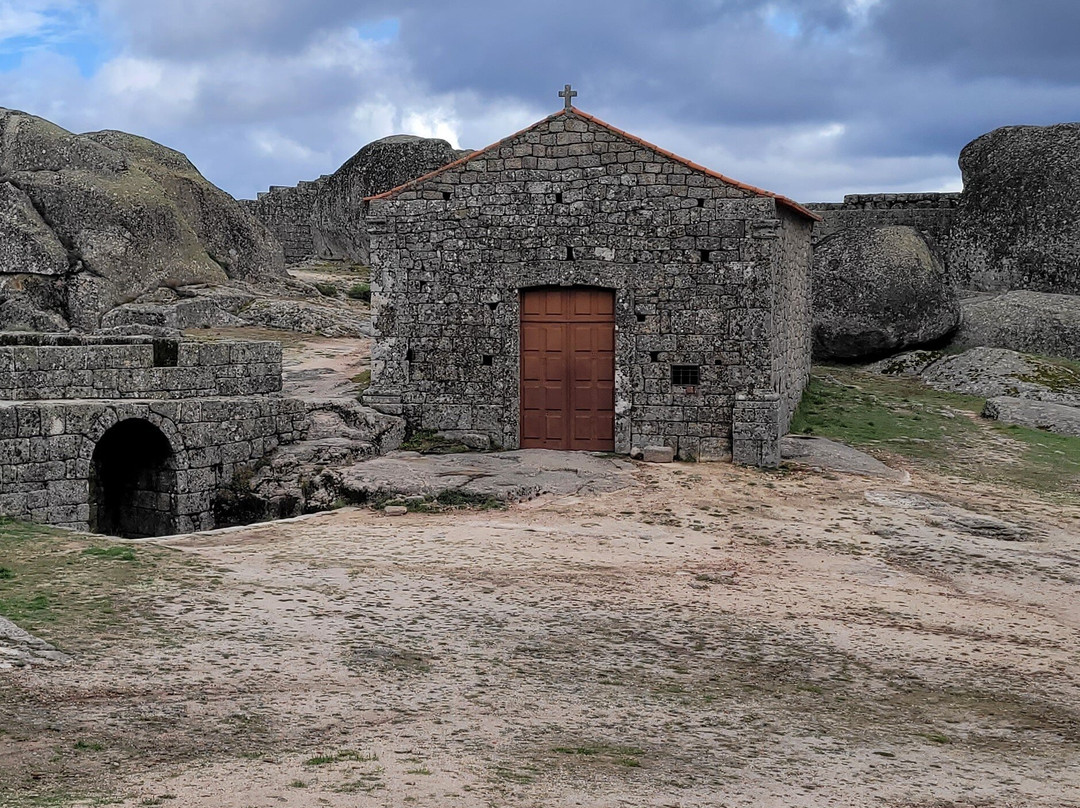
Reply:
x=781, y=200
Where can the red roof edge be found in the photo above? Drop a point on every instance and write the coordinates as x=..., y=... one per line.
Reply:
x=780, y=200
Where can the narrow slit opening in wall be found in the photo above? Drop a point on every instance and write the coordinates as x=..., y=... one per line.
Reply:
x=654, y=356
x=558, y=198
x=569, y=253
x=409, y=355
x=686, y=375
x=706, y=256
x=701, y=203
x=493, y=306
x=423, y=286
x=446, y=196
x=488, y=360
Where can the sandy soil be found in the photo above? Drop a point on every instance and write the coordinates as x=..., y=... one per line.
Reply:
x=709, y=636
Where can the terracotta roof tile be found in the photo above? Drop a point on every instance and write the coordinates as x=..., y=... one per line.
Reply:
x=782, y=200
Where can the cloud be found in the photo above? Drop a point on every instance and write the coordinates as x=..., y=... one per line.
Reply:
x=811, y=98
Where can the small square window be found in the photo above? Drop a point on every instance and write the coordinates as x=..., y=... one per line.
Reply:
x=641, y=318
x=558, y=198
x=685, y=375
x=488, y=360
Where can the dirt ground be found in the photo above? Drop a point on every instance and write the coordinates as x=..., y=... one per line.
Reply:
x=707, y=636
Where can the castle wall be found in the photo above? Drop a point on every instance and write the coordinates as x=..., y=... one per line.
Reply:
x=45, y=366
x=933, y=214
x=288, y=212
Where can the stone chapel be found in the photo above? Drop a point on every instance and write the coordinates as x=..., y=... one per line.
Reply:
x=575, y=287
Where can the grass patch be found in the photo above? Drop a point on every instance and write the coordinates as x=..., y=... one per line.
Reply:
x=74, y=590
x=359, y=291
x=113, y=553
x=628, y=756
x=326, y=289
x=340, y=757
x=867, y=410
x=942, y=432
x=428, y=441
x=362, y=381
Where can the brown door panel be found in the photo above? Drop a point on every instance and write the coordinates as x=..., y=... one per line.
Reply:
x=568, y=369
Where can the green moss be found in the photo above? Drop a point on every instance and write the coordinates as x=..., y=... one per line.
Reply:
x=326, y=289
x=359, y=291
x=362, y=380
x=1057, y=375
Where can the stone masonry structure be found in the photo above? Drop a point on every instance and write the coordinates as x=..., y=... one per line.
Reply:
x=573, y=286
x=288, y=211
x=132, y=435
x=932, y=214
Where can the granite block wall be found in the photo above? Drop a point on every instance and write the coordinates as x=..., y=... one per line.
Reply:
x=287, y=212
x=697, y=264
x=47, y=366
x=932, y=214
x=65, y=400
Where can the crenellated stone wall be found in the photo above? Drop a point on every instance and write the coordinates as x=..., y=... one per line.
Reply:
x=288, y=212
x=932, y=214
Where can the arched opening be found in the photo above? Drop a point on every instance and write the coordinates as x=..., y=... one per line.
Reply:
x=133, y=482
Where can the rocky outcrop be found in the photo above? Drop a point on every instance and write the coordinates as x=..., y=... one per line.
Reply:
x=879, y=290
x=88, y=222
x=338, y=217
x=1057, y=418
x=1018, y=226
x=990, y=373
x=1029, y=322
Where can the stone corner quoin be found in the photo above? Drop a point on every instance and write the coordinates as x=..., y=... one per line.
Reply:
x=710, y=280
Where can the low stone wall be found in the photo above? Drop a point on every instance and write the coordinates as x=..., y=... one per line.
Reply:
x=932, y=214
x=134, y=435
x=57, y=366
x=47, y=449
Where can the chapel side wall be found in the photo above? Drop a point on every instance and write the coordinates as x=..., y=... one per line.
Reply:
x=690, y=258
x=792, y=314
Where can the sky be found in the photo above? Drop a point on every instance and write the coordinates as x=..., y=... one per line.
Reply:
x=813, y=99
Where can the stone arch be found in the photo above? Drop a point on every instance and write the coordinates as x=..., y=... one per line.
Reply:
x=133, y=480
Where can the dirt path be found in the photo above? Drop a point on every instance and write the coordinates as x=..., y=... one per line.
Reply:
x=707, y=637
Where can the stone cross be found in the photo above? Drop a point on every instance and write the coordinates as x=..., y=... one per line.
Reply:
x=569, y=95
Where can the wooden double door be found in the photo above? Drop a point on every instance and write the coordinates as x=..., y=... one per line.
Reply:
x=568, y=368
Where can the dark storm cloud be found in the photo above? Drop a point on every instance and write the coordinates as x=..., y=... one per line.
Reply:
x=197, y=29
x=1032, y=40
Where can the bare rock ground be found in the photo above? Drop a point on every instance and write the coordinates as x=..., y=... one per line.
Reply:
x=703, y=636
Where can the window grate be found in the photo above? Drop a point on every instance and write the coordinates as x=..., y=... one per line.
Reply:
x=686, y=375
